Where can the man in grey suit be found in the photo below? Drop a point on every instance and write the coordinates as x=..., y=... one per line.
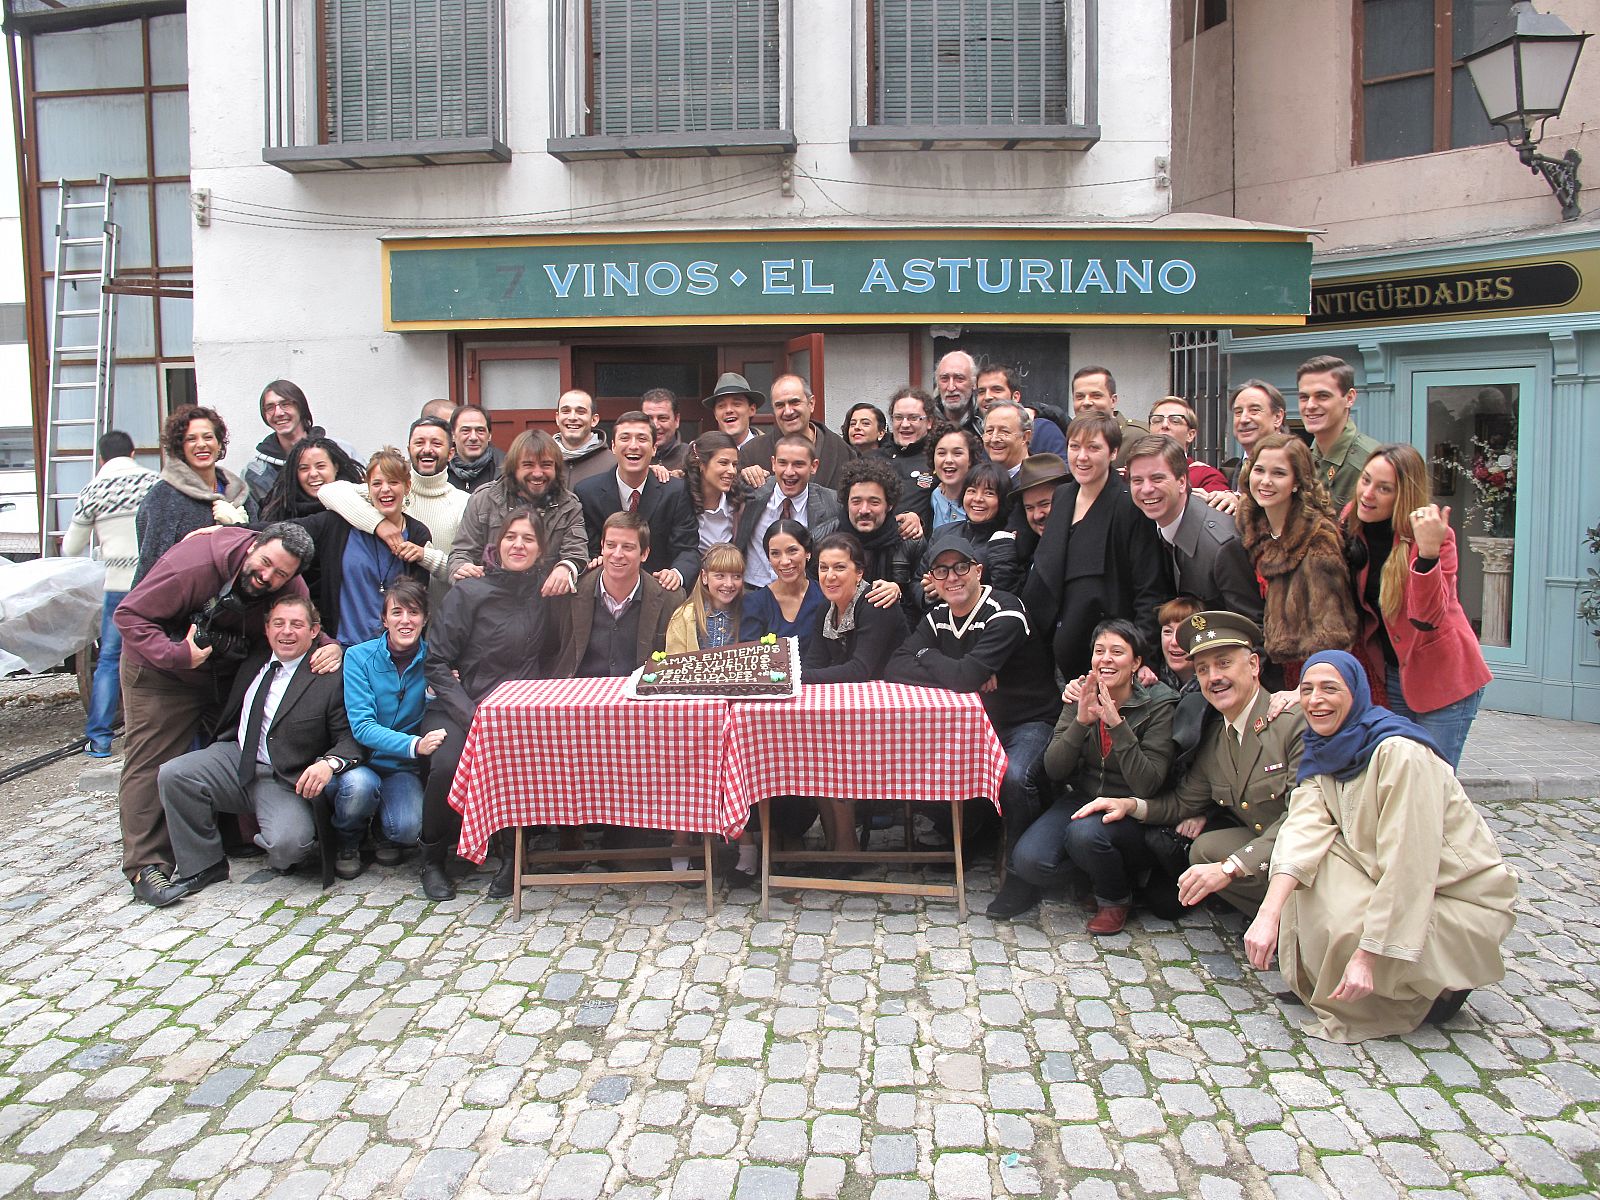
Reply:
x=788, y=494
x=283, y=736
x=1202, y=545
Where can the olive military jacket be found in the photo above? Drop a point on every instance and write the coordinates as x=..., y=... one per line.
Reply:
x=1252, y=781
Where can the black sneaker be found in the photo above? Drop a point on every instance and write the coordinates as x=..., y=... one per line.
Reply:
x=348, y=864
x=1014, y=899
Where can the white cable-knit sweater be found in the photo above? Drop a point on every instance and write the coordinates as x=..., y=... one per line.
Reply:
x=107, y=507
x=433, y=501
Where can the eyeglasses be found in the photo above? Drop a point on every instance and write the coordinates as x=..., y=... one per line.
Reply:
x=1169, y=419
x=909, y=418
x=959, y=570
x=279, y=406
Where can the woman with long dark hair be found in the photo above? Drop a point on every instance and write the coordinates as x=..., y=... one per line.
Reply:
x=1416, y=643
x=1388, y=899
x=1295, y=546
x=492, y=628
x=310, y=464
x=790, y=604
x=715, y=488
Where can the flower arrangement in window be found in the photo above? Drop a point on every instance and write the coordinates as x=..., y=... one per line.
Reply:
x=1494, y=485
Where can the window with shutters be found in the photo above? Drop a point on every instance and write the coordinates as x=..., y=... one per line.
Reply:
x=668, y=77
x=384, y=83
x=975, y=74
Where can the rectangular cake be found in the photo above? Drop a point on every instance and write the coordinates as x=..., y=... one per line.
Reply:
x=765, y=670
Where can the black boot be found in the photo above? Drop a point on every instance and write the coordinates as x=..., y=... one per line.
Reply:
x=436, y=883
x=505, y=874
x=1015, y=897
x=1447, y=1005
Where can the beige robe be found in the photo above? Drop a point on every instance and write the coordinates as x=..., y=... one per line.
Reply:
x=1399, y=863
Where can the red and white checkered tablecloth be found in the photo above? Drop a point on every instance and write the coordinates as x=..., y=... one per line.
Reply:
x=864, y=741
x=575, y=751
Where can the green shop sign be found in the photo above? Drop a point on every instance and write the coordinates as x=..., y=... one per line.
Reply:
x=849, y=277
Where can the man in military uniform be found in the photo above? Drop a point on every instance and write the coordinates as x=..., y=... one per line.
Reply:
x=1339, y=450
x=1245, y=765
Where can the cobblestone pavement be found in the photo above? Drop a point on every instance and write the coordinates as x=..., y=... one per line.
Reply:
x=267, y=1039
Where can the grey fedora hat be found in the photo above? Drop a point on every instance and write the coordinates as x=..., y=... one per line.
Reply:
x=733, y=384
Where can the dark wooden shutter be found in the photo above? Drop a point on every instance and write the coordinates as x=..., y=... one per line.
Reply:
x=685, y=66
x=406, y=70
x=971, y=62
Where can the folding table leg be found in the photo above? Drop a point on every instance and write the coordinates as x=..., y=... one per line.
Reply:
x=516, y=876
x=961, y=873
x=705, y=841
x=766, y=856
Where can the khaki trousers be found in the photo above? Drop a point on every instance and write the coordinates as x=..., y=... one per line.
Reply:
x=160, y=718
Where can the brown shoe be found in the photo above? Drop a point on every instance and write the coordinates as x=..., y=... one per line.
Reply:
x=1110, y=918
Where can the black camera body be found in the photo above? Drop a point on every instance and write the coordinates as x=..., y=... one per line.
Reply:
x=224, y=643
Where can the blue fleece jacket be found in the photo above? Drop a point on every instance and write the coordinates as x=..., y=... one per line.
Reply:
x=385, y=707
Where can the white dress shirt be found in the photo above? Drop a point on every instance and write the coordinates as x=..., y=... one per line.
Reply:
x=280, y=684
x=758, y=571
x=716, y=525
x=618, y=607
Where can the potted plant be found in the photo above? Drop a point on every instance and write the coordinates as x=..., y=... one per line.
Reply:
x=1589, y=591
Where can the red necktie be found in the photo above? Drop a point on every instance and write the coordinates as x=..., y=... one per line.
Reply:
x=633, y=501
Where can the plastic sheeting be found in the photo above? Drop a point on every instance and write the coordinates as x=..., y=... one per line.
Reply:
x=49, y=609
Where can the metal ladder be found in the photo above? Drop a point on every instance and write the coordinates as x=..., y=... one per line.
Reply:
x=84, y=266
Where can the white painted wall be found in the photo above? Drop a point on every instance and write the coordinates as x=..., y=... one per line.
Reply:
x=19, y=506
x=306, y=303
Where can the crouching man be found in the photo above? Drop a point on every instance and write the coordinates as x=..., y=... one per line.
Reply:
x=282, y=738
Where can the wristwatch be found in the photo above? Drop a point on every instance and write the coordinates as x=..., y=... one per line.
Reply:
x=1230, y=868
x=335, y=763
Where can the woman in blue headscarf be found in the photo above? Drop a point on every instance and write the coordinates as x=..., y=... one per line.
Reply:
x=1388, y=900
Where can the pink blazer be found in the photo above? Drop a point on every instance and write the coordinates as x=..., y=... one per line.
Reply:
x=1440, y=661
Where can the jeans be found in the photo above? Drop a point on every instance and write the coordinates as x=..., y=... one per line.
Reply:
x=106, y=690
x=1019, y=790
x=1448, y=725
x=396, y=796
x=1110, y=854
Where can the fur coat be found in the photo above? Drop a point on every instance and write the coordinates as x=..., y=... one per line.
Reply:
x=1309, y=605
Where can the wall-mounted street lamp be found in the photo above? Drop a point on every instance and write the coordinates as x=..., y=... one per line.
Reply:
x=1522, y=74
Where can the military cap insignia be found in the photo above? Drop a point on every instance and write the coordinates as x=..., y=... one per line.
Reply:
x=1198, y=621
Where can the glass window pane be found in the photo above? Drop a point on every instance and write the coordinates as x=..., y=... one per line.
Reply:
x=82, y=136
x=519, y=383
x=629, y=381
x=1397, y=118
x=1469, y=124
x=136, y=327
x=177, y=327
x=170, y=114
x=1396, y=36
x=130, y=209
x=1470, y=23
x=107, y=56
x=173, y=225
x=169, y=50
x=1472, y=447
x=134, y=409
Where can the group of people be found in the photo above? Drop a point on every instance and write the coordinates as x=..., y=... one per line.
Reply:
x=1205, y=683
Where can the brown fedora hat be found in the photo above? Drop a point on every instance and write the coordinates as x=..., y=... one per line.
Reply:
x=1041, y=468
x=733, y=384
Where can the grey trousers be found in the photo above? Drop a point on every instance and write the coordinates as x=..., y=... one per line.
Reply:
x=196, y=786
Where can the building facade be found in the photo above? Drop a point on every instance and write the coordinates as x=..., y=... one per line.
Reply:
x=1443, y=273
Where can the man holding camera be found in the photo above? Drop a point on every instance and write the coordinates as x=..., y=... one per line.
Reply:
x=186, y=628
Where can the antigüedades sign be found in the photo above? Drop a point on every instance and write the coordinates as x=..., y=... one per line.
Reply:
x=848, y=276
x=1478, y=290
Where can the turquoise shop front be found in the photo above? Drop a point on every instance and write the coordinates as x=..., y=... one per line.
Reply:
x=1486, y=357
